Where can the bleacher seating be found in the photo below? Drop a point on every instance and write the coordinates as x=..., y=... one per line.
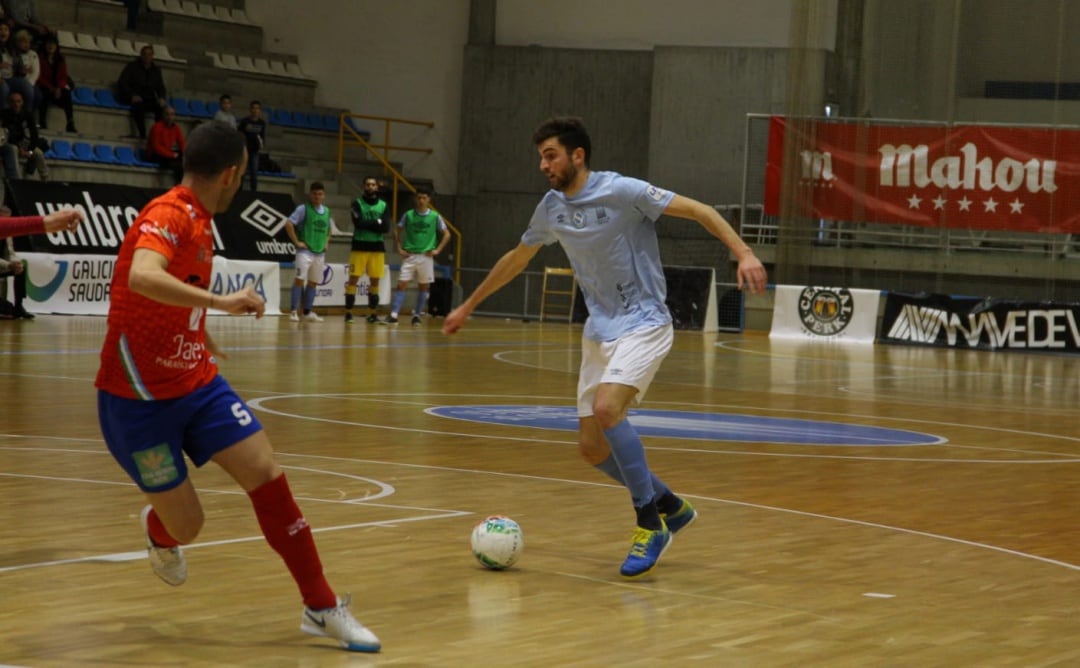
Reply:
x=105, y=154
x=83, y=151
x=198, y=108
x=180, y=104
x=60, y=149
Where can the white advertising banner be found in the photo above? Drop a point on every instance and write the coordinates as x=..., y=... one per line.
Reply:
x=822, y=314
x=331, y=291
x=79, y=284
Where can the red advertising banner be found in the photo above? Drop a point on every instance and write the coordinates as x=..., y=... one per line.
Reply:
x=970, y=176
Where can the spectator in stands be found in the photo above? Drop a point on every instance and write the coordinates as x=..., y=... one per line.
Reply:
x=254, y=128
x=11, y=265
x=23, y=142
x=26, y=69
x=309, y=228
x=142, y=86
x=23, y=16
x=420, y=235
x=224, y=112
x=54, y=84
x=166, y=144
x=7, y=65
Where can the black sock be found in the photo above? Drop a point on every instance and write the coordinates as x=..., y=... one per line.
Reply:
x=350, y=301
x=373, y=301
x=648, y=517
x=668, y=503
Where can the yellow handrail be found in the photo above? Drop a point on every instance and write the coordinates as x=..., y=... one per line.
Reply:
x=347, y=135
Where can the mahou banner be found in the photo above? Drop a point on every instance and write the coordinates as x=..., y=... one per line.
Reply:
x=969, y=176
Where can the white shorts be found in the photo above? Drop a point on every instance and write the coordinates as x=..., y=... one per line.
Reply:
x=421, y=267
x=631, y=360
x=310, y=265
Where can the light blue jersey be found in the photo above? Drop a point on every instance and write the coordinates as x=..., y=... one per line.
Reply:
x=608, y=230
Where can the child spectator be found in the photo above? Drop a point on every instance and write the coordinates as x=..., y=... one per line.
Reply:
x=54, y=84
x=224, y=112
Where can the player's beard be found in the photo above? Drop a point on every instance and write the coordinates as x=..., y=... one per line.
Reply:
x=565, y=179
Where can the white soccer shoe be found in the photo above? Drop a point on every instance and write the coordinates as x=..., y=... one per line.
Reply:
x=313, y=317
x=339, y=624
x=168, y=562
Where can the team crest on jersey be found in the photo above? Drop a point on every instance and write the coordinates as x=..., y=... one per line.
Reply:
x=579, y=219
x=825, y=311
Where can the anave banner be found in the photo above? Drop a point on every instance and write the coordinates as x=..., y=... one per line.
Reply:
x=821, y=313
x=963, y=176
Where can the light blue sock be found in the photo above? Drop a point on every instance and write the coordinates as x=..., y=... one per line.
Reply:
x=629, y=454
x=611, y=469
x=421, y=301
x=309, y=298
x=397, y=301
x=294, y=298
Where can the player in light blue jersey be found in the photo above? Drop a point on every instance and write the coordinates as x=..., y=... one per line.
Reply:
x=606, y=223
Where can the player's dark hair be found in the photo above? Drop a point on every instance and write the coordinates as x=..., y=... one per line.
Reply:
x=224, y=97
x=569, y=130
x=212, y=148
x=316, y=185
x=424, y=189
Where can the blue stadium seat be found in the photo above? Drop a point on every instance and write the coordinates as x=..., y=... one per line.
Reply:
x=60, y=149
x=330, y=122
x=212, y=107
x=105, y=154
x=125, y=155
x=281, y=117
x=83, y=151
x=198, y=108
x=180, y=104
x=84, y=95
x=105, y=98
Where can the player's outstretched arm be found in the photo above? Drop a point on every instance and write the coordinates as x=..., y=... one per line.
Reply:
x=150, y=278
x=64, y=219
x=241, y=302
x=751, y=273
x=509, y=265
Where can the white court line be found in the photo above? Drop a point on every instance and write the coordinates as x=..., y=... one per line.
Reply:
x=453, y=513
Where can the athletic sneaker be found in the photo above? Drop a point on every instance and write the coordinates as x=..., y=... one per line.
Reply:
x=681, y=518
x=348, y=319
x=312, y=316
x=415, y=320
x=168, y=562
x=372, y=319
x=339, y=624
x=294, y=316
x=391, y=320
x=645, y=551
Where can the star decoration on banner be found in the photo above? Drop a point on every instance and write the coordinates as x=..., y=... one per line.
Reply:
x=965, y=203
x=1016, y=206
x=990, y=205
x=914, y=201
x=939, y=203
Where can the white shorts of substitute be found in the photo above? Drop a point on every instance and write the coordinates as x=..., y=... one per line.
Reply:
x=310, y=266
x=631, y=360
x=421, y=267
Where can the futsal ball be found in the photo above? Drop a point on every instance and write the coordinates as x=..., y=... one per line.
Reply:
x=497, y=542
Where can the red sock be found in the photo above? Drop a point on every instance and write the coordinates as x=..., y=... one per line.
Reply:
x=158, y=533
x=289, y=534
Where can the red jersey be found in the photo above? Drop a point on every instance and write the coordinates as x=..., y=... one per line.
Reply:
x=154, y=350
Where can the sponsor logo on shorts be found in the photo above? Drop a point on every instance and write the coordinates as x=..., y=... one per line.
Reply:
x=156, y=465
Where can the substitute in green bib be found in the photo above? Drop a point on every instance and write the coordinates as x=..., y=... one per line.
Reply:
x=420, y=235
x=309, y=229
x=368, y=255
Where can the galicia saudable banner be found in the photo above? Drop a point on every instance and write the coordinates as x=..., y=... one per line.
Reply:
x=959, y=176
x=252, y=229
x=988, y=323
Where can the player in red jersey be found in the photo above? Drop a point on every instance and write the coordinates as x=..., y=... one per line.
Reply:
x=160, y=396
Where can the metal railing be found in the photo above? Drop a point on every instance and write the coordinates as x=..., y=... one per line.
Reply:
x=348, y=135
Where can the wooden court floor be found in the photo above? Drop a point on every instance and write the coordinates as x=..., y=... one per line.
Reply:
x=962, y=552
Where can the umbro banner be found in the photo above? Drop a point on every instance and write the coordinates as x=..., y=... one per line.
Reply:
x=958, y=176
x=987, y=323
x=252, y=229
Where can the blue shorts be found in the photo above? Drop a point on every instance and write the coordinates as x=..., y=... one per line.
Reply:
x=149, y=438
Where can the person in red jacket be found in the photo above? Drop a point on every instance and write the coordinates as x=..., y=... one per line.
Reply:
x=165, y=145
x=54, y=84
